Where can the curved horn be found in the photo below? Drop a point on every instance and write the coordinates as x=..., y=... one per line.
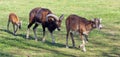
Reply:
x=52, y=15
x=61, y=17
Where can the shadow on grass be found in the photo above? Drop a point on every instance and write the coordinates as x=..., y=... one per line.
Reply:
x=112, y=53
x=7, y=31
x=3, y=54
x=20, y=35
x=56, y=44
x=109, y=35
x=106, y=35
x=13, y=44
x=24, y=36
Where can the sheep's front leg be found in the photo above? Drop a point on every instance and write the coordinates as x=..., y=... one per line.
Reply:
x=83, y=44
x=67, y=40
x=73, y=42
x=43, y=40
x=86, y=38
x=14, y=29
x=28, y=29
x=27, y=35
x=53, y=39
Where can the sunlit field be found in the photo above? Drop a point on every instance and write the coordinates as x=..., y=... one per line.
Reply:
x=104, y=43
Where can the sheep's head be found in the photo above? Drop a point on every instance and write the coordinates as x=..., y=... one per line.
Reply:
x=98, y=23
x=20, y=24
x=55, y=19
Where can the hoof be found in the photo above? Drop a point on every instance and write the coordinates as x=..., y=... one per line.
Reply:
x=27, y=37
x=14, y=34
x=67, y=47
x=43, y=40
x=84, y=50
x=81, y=46
x=53, y=42
x=86, y=41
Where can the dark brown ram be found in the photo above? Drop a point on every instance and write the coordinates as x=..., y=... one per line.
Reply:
x=46, y=18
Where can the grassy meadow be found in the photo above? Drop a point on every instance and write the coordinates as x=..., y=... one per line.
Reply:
x=105, y=43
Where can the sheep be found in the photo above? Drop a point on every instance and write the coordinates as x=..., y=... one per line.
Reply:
x=75, y=23
x=13, y=18
x=47, y=19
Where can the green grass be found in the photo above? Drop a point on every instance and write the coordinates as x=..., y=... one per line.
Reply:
x=105, y=43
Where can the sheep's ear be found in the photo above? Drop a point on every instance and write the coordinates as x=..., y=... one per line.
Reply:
x=21, y=22
x=51, y=19
x=100, y=19
x=93, y=20
x=61, y=17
